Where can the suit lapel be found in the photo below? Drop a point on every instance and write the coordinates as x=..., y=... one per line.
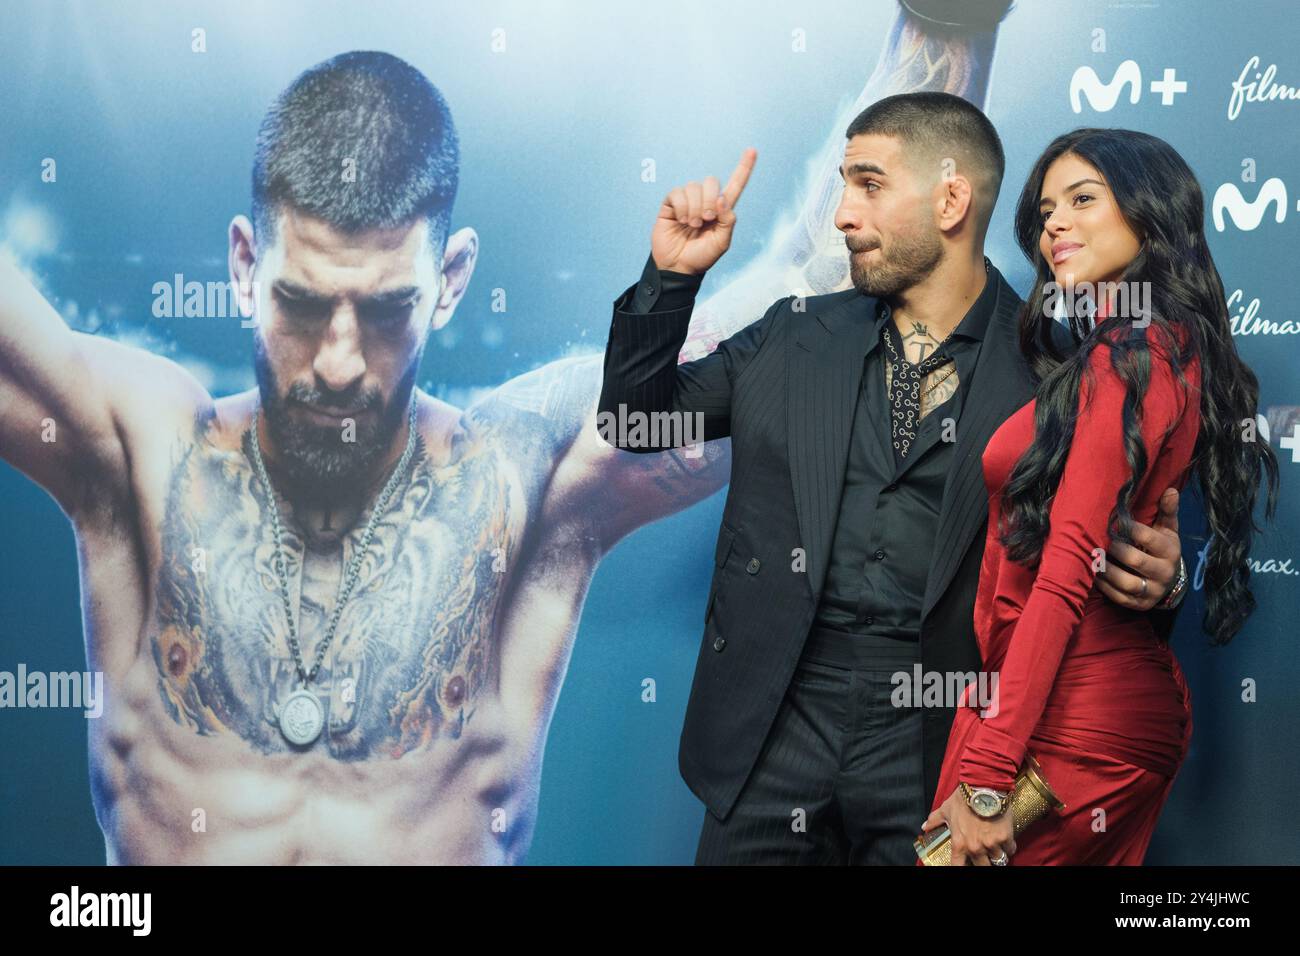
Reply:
x=824, y=374
x=1000, y=384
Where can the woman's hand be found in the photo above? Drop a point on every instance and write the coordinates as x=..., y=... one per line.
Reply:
x=974, y=840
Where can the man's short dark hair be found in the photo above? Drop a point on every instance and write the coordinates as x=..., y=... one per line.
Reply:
x=361, y=141
x=935, y=126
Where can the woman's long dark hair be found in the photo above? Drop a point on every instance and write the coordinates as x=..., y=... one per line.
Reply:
x=1161, y=201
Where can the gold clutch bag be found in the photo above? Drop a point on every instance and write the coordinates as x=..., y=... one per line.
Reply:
x=1031, y=800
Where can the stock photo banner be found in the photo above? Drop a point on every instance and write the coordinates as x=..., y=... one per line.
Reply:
x=620, y=434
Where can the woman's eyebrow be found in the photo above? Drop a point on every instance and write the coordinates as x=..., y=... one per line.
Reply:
x=1071, y=188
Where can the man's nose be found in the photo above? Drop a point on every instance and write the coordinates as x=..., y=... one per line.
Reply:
x=846, y=220
x=339, y=362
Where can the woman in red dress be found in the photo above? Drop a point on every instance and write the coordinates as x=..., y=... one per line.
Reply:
x=1154, y=392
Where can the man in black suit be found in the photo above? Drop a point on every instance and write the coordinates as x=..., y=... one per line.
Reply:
x=854, y=524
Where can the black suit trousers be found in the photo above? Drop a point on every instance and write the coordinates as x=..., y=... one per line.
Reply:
x=839, y=779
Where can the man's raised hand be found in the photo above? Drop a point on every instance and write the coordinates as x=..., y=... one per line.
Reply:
x=696, y=220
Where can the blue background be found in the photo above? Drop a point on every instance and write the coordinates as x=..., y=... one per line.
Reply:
x=154, y=145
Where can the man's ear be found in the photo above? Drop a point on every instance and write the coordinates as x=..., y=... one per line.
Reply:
x=241, y=260
x=954, y=201
x=457, y=266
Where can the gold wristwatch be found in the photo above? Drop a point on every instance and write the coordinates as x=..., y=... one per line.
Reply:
x=985, y=803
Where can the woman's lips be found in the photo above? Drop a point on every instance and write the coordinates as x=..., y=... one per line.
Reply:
x=1063, y=250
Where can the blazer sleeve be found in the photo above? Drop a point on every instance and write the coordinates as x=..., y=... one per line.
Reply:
x=1095, y=470
x=642, y=374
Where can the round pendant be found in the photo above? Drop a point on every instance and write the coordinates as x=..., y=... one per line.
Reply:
x=301, y=717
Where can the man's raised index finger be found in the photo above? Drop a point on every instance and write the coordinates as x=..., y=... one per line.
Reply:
x=736, y=184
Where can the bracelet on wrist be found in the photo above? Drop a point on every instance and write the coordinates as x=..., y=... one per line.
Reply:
x=1176, y=591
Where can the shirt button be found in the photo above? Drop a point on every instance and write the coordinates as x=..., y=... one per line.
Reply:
x=869, y=621
x=719, y=644
x=891, y=487
x=880, y=555
x=649, y=290
x=753, y=566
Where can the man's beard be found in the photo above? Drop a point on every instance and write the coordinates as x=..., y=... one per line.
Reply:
x=908, y=259
x=315, y=460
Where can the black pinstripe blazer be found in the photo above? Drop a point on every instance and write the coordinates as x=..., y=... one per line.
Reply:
x=785, y=389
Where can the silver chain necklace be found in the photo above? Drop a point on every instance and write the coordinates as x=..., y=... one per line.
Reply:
x=302, y=715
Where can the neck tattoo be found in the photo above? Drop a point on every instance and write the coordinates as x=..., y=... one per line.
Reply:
x=301, y=714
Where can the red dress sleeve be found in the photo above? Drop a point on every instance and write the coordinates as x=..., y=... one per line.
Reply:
x=1094, y=472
